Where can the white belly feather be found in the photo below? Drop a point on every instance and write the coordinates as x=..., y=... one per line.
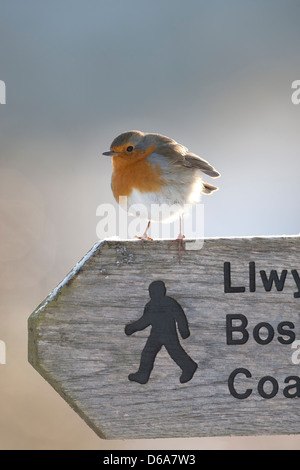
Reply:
x=168, y=204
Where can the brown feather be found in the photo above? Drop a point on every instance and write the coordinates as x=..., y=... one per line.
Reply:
x=209, y=188
x=181, y=156
x=194, y=161
x=177, y=153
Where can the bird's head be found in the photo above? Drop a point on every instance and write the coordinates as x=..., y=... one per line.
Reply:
x=134, y=145
x=129, y=145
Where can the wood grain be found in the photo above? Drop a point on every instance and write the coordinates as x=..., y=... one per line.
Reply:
x=78, y=344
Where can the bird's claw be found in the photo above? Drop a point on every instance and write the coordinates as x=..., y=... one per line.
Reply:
x=181, y=245
x=144, y=238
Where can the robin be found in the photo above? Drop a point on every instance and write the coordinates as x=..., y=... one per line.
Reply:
x=153, y=169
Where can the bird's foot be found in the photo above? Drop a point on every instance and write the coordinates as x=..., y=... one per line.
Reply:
x=181, y=245
x=144, y=238
x=145, y=235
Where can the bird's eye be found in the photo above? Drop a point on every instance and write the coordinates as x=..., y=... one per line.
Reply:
x=130, y=148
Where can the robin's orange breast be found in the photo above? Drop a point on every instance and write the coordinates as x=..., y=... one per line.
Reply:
x=137, y=173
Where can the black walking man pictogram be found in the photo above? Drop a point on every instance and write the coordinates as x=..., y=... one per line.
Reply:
x=163, y=314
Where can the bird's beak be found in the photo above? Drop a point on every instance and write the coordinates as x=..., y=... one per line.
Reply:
x=110, y=153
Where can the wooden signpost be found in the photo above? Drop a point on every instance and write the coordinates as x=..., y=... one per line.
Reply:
x=141, y=346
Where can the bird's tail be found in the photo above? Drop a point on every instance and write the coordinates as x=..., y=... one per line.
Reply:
x=209, y=188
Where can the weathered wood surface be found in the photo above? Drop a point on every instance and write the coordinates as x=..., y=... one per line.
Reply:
x=78, y=344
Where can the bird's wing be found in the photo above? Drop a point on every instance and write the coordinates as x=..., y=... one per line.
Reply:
x=193, y=161
x=182, y=157
x=179, y=155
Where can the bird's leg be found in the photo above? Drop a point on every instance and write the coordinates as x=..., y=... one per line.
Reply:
x=179, y=239
x=145, y=235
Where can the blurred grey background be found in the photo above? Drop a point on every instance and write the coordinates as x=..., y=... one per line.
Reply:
x=214, y=75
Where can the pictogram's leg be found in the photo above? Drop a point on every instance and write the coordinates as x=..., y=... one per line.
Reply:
x=148, y=356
